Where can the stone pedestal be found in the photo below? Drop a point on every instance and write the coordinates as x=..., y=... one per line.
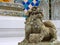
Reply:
x=41, y=43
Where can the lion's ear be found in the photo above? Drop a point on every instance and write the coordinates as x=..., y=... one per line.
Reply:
x=27, y=13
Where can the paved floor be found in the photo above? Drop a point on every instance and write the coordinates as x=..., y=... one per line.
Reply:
x=10, y=40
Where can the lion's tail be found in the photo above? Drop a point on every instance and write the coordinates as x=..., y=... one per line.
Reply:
x=49, y=24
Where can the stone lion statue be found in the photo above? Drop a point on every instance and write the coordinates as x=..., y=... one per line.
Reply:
x=36, y=30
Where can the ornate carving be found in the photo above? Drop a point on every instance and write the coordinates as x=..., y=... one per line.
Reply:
x=36, y=30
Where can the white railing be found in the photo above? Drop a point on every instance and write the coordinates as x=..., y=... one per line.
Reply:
x=15, y=27
x=12, y=26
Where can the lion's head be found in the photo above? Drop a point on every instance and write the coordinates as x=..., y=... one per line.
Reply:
x=35, y=11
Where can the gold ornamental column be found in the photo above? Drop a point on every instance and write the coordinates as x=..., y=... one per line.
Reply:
x=10, y=1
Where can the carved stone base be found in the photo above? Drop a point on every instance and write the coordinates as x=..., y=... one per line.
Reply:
x=41, y=43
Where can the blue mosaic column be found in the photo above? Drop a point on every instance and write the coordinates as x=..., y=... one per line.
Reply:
x=28, y=4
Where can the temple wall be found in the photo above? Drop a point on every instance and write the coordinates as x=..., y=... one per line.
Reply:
x=45, y=9
x=44, y=5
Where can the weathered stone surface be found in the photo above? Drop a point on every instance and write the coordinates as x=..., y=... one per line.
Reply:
x=38, y=32
x=34, y=24
x=34, y=38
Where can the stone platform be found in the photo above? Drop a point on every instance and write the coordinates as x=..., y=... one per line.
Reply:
x=41, y=43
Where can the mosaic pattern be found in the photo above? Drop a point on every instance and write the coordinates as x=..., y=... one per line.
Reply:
x=11, y=5
x=17, y=1
x=11, y=13
x=11, y=9
x=28, y=4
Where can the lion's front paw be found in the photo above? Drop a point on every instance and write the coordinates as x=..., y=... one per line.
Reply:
x=41, y=37
x=52, y=40
x=34, y=38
